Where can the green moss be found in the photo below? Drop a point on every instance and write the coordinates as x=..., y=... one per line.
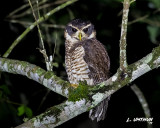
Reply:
x=59, y=81
x=80, y=92
x=156, y=54
x=3, y=60
x=54, y=111
x=11, y=66
x=24, y=64
x=39, y=70
x=122, y=79
x=48, y=75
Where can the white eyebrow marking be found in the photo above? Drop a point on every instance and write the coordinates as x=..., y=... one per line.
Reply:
x=74, y=27
x=86, y=26
x=81, y=28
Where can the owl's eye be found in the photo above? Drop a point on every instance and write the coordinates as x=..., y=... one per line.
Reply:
x=85, y=30
x=74, y=30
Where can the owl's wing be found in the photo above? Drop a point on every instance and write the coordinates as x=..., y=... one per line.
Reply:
x=97, y=59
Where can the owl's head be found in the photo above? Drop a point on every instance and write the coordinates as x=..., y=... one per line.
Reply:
x=79, y=30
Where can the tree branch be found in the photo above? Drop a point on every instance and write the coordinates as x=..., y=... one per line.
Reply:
x=143, y=103
x=69, y=108
x=123, y=44
x=57, y=115
x=46, y=78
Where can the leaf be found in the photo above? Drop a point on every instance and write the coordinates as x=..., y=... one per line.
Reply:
x=28, y=112
x=24, y=110
x=5, y=89
x=55, y=64
x=153, y=33
x=21, y=110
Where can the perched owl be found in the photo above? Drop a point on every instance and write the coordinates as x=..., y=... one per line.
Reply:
x=86, y=59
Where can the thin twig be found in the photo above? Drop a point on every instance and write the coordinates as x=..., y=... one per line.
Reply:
x=152, y=22
x=48, y=36
x=138, y=19
x=145, y=20
x=143, y=103
x=26, y=23
x=11, y=102
x=45, y=17
x=43, y=99
x=41, y=6
x=37, y=24
x=28, y=11
x=54, y=47
x=17, y=10
x=123, y=44
x=54, y=26
x=43, y=51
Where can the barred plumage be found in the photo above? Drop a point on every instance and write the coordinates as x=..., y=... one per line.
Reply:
x=86, y=59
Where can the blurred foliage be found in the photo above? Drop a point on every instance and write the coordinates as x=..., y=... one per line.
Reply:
x=155, y=4
x=24, y=110
x=153, y=33
x=4, y=91
x=9, y=108
x=17, y=92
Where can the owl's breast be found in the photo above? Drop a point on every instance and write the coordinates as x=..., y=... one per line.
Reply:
x=77, y=69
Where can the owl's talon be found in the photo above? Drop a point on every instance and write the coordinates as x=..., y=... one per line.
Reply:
x=74, y=85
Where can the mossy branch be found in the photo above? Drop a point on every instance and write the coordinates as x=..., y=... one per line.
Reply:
x=31, y=71
x=123, y=36
x=97, y=93
x=123, y=44
x=69, y=109
x=41, y=19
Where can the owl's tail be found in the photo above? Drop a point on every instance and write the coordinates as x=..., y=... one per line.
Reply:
x=100, y=110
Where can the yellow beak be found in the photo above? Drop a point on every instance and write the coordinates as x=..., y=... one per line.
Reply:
x=80, y=36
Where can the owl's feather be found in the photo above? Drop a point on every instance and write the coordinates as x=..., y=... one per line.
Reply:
x=96, y=58
x=98, y=63
x=86, y=59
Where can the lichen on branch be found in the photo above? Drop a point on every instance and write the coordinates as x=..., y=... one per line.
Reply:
x=46, y=78
x=78, y=103
x=123, y=44
x=70, y=109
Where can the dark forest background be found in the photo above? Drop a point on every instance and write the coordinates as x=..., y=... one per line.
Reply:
x=23, y=98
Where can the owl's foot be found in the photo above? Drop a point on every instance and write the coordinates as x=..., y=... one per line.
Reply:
x=74, y=85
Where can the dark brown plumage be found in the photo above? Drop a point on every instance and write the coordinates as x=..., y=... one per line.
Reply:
x=96, y=58
x=86, y=59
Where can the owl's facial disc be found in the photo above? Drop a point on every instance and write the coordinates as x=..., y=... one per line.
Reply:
x=80, y=33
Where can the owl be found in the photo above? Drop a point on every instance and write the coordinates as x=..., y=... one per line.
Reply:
x=86, y=59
